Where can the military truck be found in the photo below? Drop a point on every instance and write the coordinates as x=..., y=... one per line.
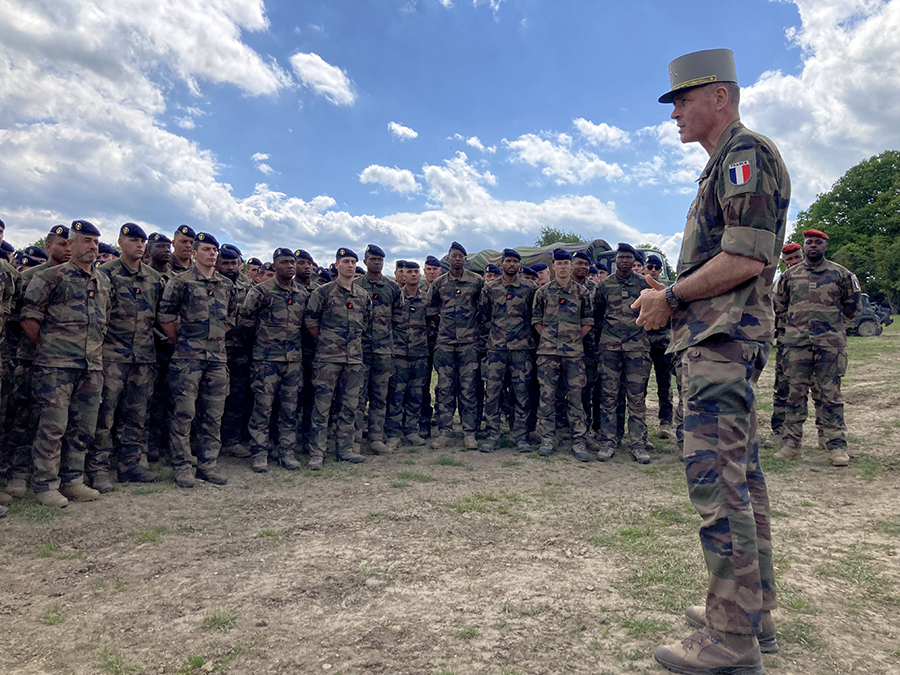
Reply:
x=871, y=319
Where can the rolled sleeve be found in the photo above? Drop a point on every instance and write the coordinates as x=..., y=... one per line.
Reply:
x=750, y=242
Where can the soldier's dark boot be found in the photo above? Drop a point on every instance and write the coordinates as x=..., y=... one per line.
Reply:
x=696, y=617
x=136, y=474
x=153, y=454
x=604, y=454
x=580, y=451
x=707, y=652
x=213, y=475
x=488, y=446
x=546, y=448
x=315, y=463
x=289, y=461
x=352, y=457
x=184, y=476
x=640, y=455
x=79, y=492
x=523, y=446
x=17, y=487
x=260, y=462
x=100, y=482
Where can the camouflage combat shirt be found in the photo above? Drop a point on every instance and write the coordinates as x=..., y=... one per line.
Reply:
x=455, y=302
x=613, y=317
x=740, y=208
x=816, y=303
x=506, y=310
x=341, y=317
x=203, y=310
x=274, y=314
x=562, y=310
x=134, y=298
x=411, y=329
x=385, y=294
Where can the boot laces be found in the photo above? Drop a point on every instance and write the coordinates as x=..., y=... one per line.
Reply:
x=699, y=637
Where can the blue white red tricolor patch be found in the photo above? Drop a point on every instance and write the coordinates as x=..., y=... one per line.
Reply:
x=739, y=173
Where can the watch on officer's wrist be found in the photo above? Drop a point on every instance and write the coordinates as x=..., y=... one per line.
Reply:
x=673, y=300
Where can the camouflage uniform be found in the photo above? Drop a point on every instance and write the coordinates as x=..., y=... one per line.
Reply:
x=724, y=342
x=72, y=307
x=562, y=311
x=341, y=317
x=378, y=348
x=815, y=304
x=410, y=365
x=427, y=409
x=506, y=310
x=239, y=403
x=9, y=279
x=305, y=404
x=455, y=301
x=202, y=310
x=274, y=315
x=129, y=364
x=624, y=351
x=176, y=268
x=159, y=410
x=664, y=369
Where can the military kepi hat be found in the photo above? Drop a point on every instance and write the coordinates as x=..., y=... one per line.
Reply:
x=699, y=68
x=790, y=248
x=132, y=231
x=206, y=238
x=814, y=233
x=59, y=231
x=345, y=253
x=283, y=253
x=84, y=227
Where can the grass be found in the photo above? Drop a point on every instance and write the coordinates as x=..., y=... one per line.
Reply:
x=447, y=460
x=220, y=619
x=192, y=664
x=467, y=633
x=633, y=539
x=415, y=477
x=51, y=616
x=120, y=586
x=796, y=632
x=270, y=534
x=113, y=663
x=151, y=536
x=857, y=568
x=477, y=503
x=888, y=526
x=33, y=512
x=639, y=627
x=48, y=549
x=869, y=468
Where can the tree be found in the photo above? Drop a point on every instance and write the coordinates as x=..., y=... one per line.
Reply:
x=861, y=216
x=41, y=243
x=551, y=235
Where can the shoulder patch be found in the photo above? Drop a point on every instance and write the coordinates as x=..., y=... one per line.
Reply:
x=855, y=282
x=740, y=173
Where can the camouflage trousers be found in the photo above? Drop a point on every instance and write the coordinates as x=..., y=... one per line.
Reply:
x=405, y=400
x=305, y=403
x=500, y=364
x=818, y=368
x=7, y=414
x=780, y=398
x=457, y=371
x=679, y=409
x=550, y=371
x=725, y=481
x=427, y=409
x=68, y=400
x=376, y=376
x=27, y=415
x=338, y=383
x=663, y=369
x=126, y=389
x=634, y=368
x=239, y=402
x=159, y=411
x=270, y=379
x=587, y=393
x=199, y=389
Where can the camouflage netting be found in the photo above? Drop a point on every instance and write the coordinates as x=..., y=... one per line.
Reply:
x=531, y=254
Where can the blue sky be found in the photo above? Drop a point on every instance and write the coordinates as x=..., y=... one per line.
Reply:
x=410, y=123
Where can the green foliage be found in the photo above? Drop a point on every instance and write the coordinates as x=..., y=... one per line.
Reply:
x=552, y=235
x=861, y=215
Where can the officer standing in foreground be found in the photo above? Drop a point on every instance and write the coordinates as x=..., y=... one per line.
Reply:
x=336, y=316
x=505, y=307
x=196, y=311
x=64, y=314
x=816, y=300
x=661, y=359
x=723, y=325
x=453, y=297
x=129, y=356
x=562, y=315
x=272, y=317
x=378, y=347
x=624, y=356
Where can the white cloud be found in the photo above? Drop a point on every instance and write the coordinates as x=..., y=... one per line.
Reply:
x=476, y=143
x=259, y=159
x=323, y=78
x=185, y=122
x=446, y=3
x=559, y=161
x=397, y=180
x=402, y=132
x=601, y=134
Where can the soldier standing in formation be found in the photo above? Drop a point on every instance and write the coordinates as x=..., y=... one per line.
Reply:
x=815, y=300
x=663, y=366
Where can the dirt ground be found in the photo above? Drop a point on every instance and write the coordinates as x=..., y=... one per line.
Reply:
x=440, y=562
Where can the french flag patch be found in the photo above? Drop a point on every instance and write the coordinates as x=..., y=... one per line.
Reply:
x=739, y=172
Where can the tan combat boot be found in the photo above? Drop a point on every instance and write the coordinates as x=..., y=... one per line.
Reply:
x=471, y=442
x=440, y=442
x=5, y=499
x=78, y=492
x=51, y=498
x=17, y=487
x=696, y=617
x=393, y=443
x=665, y=431
x=415, y=439
x=289, y=461
x=787, y=452
x=260, y=462
x=708, y=652
x=378, y=447
x=839, y=457
x=315, y=463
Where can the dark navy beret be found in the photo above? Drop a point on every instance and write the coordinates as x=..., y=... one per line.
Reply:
x=206, y=238
x=459, y=247
x=639, y=256
x=158, y=238
x=267, y=267
x=493, y=269
x=283, y=253
x=226, y=252
x=132, y=231
x=360, y=270
x=6, y=246
x=26, y=260
x=602, y=267
x=84, y=227
x=372, y=249
x=300, y=254
x=400, y=265
x=581, y=255
x=412, y=265
x=187, y=231
x=2, y=226
x=233, y=248
x=105, y=248
x=561, y=254
x=35, y=252
x=431, y=261
x=593, y=269
x=59, y=231
x=511, y=253
x=255, y=261
x=653, y=259
x=538, y=267
x=324, y=273
x=345, y=253
x=626, y=248
x=528, y=271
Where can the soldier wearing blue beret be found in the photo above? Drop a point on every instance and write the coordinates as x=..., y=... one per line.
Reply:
x=251, y=269
x=182, y=249
x=431, y=270
x=543, y=273
x=492, y=273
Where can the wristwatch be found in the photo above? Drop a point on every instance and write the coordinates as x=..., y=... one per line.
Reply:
x=673, y=300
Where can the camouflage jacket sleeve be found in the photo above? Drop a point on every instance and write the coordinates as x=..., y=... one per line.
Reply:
x=170, y=304
x=9, y=278
x=313, y=314
x=248, y=313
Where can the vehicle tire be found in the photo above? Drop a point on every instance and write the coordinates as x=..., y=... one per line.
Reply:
x=868, y=329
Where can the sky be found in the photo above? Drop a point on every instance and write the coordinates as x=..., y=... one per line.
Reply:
x=412, y=123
